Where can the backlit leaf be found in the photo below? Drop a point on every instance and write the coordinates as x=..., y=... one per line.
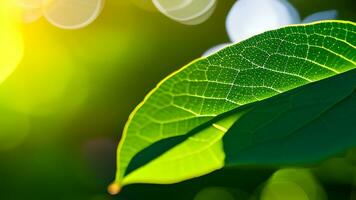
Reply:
x=175, y=133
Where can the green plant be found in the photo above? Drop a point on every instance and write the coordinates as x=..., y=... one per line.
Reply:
x=264, y=101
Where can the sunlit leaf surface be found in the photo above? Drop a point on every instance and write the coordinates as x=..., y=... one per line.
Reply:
x=193, y=102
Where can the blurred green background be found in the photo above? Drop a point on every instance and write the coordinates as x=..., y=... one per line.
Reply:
x=63, y=109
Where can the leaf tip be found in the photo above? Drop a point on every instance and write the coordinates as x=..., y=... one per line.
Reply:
x=114, y=188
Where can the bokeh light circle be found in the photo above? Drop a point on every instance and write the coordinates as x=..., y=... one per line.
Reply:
x=293, y=184
x=31, y=15
x=30, y=4
x=189, y=12
x=72, y=14
x=145, y=4
x=251, y=17
x=281, y=190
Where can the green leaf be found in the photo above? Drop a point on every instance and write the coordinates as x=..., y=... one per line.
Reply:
x=303, y=126
x=260, y=132
x=175, y=133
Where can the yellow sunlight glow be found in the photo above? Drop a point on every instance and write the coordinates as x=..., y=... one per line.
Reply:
x=11, y=43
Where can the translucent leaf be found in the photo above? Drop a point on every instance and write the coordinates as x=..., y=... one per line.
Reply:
x=268, y=94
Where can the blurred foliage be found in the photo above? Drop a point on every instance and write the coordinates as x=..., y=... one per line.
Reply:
x=64, y=107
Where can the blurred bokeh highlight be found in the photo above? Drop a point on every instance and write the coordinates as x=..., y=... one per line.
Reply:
x=65, y=96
